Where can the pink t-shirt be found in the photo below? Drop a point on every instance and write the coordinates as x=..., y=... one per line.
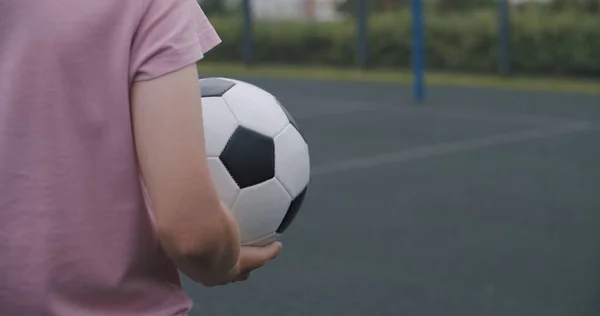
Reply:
x=75, y=236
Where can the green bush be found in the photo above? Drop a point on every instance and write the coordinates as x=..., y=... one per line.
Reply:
x=541, y=43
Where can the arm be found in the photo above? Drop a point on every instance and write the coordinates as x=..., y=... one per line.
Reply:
x=195, y=230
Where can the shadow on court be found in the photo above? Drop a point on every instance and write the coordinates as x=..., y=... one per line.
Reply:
x=478, y=202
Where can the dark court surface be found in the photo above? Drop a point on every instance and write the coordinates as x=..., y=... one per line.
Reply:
x=478, y=202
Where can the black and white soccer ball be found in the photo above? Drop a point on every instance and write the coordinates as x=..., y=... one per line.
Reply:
x=258, y=158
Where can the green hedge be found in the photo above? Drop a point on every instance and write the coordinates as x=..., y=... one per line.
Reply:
x=541, y=42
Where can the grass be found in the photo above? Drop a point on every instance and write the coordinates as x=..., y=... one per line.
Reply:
x=403, y=77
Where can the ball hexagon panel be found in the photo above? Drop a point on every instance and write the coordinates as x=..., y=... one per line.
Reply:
x=219, y=128
x=292, y=161
x=291, y=213
x=256, y=109
x=215, y=87
x=260, y=209
x=249, y=157
x=227, y=188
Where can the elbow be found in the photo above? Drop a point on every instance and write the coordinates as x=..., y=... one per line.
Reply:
x=205, y=253
x=187, y=245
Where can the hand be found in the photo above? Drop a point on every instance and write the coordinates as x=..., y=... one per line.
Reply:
x=252, y=258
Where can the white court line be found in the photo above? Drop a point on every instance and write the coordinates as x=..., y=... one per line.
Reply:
x=448, y=148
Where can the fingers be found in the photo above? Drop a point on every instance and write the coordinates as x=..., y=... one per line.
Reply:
x=252, y=258
x=242, y=277
x=272, y=250
x=259, y=256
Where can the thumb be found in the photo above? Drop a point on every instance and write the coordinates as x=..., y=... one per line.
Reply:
x=273, y=249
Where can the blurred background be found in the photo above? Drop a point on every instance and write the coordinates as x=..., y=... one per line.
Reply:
x=533, y=37
x=481, y=201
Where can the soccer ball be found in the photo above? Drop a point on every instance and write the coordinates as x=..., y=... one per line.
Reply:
x=258, y=158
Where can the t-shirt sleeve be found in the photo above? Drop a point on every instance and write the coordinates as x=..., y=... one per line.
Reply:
x=171, y=35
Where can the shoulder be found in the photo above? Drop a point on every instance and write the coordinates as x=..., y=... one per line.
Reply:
x=171, y=34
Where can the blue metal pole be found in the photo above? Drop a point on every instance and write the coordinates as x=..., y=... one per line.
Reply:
x=361, y=31
x=248, y=33
x=504, y=37
x=418, y=51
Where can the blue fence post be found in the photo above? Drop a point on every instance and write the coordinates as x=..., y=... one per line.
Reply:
x=361, y=32
x=418, y=51
x=504, y=37
x=248, y=33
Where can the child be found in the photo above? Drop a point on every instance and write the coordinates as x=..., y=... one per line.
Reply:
x=104, y=187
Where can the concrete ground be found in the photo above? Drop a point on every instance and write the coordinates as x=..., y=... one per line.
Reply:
x=478, y=202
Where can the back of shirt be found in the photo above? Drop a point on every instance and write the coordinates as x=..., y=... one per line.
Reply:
x=75, y=235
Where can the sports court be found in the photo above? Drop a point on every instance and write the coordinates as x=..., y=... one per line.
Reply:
x=478, y=202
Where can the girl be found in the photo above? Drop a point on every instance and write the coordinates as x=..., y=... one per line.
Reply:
x=104, y=186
